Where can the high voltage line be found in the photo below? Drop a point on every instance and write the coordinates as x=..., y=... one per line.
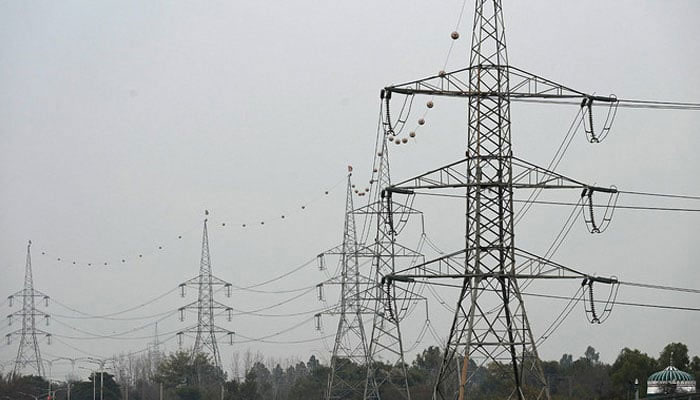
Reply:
x=489, y=94
x=563, y=203
x=490, y=174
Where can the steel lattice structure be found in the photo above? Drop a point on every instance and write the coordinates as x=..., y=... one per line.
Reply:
x=490, y=324
x=387, y=305
x=391, y=303
x=386, y=333
x=350, y=346
x=28, y=352
x=206, y=305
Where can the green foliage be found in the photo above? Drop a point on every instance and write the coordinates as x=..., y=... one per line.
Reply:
x=695, y=368
x=188, y=393
x=631, y=365
x=187, y=378
x=675, y=354
x=182, y=369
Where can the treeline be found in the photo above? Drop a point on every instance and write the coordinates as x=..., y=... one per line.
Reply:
x=180, y=377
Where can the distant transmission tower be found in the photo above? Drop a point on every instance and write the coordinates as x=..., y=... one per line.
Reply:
x=28, y=353
x=490, y=323
x=206, y=329
x=154, y=352
x=350, y=339
x=391, y=303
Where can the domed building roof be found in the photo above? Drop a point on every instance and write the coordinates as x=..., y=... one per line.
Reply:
x=670, y=380
x=670, y=374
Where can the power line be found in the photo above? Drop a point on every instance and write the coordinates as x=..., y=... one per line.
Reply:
x=291, y=328
x=674, y=196
x=622, y=303
x=660, y=287
x=562, y=316
x=624, y=207
x=296, y=269
x=115, y=335
x=631, y=104
x=107, y=316
x=248, y=340
x=252, y=312
x=114, y=319
x=562, y=203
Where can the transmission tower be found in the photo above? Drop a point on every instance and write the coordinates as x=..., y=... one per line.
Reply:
x=154, y=352
x=206, y=329
x=28, y=353
x=387, y=305
x=350, y=339
x=490, y=322
x=391, y=303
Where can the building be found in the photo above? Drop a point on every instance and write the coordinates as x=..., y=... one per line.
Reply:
x=670, y=380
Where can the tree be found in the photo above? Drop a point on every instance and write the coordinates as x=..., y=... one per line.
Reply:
x=695, y=368
x=675, y=354
x=249, y=388
x=110, y=388
x=189, y=393
x=181, y=369
x=591, y=355
x=566, y=361
x=631, y=365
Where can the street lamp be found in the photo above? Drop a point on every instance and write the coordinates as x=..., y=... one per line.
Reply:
x=102, y=375
x=93, y=380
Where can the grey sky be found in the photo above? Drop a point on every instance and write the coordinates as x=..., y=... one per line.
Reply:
x=121, y=122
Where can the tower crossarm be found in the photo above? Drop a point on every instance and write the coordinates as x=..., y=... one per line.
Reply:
x=196, y=281
x=338, y=310
x=18, y=332
x=338, y=280
x=216, y=329
x=523, y=85
x=525, y=176
x=215, y=305
x=530, y=266
x=362, y=251
x=28, y=293
x=368, y=251
x=396, y=207
x=35, y=312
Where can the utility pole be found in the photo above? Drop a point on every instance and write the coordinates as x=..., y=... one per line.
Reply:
x=206, y=328
x=490, y=324
x=28, y=353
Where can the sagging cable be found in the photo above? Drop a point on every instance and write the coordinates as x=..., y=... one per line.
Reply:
x=593, y=224
x=594, y=316
x=587, y=106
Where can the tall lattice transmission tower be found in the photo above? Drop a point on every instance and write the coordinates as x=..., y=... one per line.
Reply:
x=384, y=362
x=350, y=345
x=206, y=330
x=391, y=303
x=28, y=352
x=490, y=324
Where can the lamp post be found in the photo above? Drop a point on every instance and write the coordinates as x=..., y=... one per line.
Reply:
x=94, y=377
x=101, y=363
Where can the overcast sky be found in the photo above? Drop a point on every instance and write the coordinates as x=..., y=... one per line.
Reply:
x=120, y=122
